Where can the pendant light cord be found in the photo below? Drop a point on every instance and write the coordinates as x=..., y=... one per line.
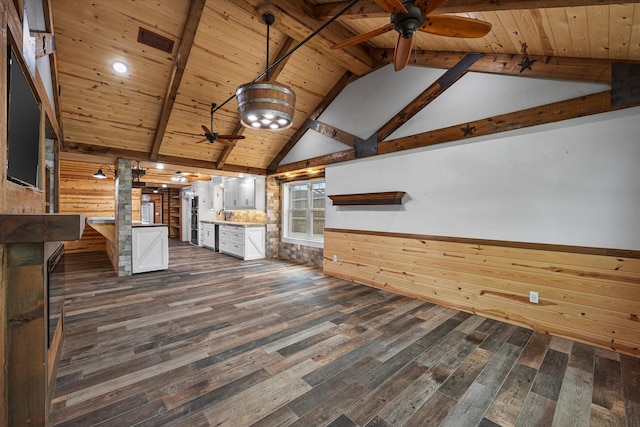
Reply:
x=268, y=19
x=290, y=52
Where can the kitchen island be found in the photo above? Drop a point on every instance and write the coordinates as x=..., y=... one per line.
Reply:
x=149, y=243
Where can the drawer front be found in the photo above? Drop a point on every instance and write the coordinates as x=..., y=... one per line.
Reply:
x=231, y=240
x=231, y=234
x=231, y=248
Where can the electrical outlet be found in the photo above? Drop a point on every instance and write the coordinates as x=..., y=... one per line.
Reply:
x=335, y=258
x=533, y=297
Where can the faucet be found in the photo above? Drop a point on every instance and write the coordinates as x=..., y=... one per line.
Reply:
x=225, y=214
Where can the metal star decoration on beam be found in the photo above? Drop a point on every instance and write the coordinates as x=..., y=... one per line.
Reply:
x=526, y=64
x=468, y=130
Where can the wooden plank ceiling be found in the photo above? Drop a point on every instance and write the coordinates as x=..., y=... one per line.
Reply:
x=154, y=111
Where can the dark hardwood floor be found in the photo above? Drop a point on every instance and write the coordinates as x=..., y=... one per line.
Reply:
x=218, y=341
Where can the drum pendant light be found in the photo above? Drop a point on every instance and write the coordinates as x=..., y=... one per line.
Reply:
x=266, y=105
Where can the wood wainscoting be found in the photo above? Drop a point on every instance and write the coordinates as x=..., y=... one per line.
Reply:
x=585, y=294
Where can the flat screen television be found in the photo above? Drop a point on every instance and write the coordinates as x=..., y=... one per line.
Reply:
x=23, y=126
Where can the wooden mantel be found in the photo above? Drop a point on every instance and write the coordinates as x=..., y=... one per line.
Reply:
x=34, y=228
x=382, y=198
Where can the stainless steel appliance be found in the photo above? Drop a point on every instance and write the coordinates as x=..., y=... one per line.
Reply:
x=194, y=220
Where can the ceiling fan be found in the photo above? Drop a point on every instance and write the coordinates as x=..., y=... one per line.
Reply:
x=409, y=16
x=212, y=137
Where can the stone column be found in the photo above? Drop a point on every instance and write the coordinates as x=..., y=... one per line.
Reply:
x=123, y=217
x=273, y=217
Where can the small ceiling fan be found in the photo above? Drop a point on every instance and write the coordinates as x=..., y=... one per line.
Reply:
x=410, y=16
x=211, y=137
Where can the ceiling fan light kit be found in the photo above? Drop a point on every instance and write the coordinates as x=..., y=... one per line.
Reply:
x=178, y=178
x=406, y=24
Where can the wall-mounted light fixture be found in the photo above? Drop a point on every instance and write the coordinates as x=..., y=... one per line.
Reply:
x=101, y=175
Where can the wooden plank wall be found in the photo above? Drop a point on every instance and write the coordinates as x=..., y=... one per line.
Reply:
x=81, y=193
x=585, y=294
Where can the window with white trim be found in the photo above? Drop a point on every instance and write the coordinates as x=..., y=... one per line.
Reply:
x=303, y=212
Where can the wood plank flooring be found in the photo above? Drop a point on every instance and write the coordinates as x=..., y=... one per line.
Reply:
x=215, y=341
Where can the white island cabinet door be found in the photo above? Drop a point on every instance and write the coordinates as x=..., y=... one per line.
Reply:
x=254, y=243
x=150, y=250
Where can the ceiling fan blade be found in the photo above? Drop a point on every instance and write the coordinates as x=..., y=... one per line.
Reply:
x=402, y=52
x=231, y=136
x=363, y=37
x=392, y=6
x=202, y=140
x=207, y=132
x=455, y=26
x=428, y=6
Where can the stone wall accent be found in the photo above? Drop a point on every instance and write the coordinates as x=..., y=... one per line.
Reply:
x=277, y=249
x=123, y=217
x=259, y=217
x=301, y=254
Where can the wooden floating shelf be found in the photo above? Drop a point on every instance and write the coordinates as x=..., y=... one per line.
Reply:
x=383, y=198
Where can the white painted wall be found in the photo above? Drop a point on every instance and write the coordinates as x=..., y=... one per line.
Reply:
x=369, y=102
x=575, y=182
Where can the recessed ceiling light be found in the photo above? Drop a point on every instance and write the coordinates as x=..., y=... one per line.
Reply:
x=159, y=166
x=119, y=67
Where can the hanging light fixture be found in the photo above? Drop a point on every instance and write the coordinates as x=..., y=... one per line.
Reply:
x=178, y=178
x=266, y=105
x=100, y=174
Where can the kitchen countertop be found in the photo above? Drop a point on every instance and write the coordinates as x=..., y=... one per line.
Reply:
x=136, y=224
x=112, y=220
x=101, y=220
x=234, y=223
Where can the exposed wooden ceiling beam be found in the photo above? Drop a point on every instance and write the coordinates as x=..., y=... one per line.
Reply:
x=328, y=159
x=108, y=152
x=428, y=95
x=554, y=112
x=415, y=106
x=370, y=9
x=294, y=18
x=455, y=6
x=332, y=132
x=346, y=78
x=550, y=67
x=182, y=57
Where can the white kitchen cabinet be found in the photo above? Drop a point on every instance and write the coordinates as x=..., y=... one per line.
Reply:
x=241, y=241
x=240, y=193
x=150, y=248
x=208, y=238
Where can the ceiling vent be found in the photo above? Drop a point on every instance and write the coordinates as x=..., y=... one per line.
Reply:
x=155, y=40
